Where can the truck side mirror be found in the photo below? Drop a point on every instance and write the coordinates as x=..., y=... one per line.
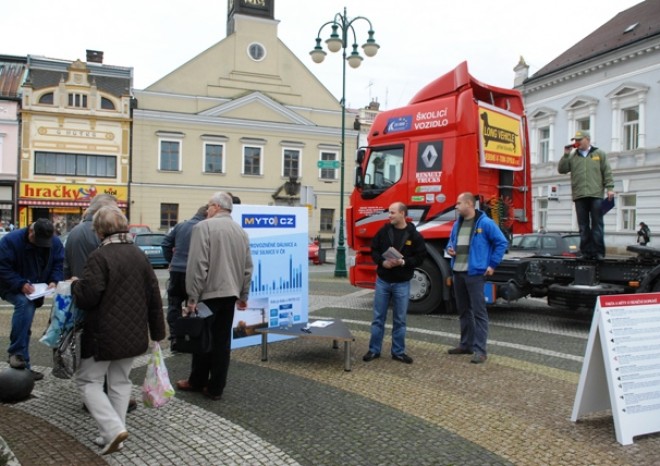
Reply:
x=359, y=179
x=359, y=158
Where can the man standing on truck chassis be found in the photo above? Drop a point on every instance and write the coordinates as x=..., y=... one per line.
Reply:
x=476, y=246
x=590, y=176
x=397, y=249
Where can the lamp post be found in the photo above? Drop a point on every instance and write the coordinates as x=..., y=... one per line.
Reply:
x=342, y=30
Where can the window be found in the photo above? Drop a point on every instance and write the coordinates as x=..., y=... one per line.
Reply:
x=542, y=128
x=629, y=102
x=251, y=160
x=291, y=162
x=544, y=144
x=628, y=209
x=62, y=164
x=582, y=124
x=169, y=215
x=542, y=214
x=327, y=220
x=213, y=159
x=106, y=104
x=384, y=168
x=46, y=99
x=630, y=129
x=78, y=100
x=169, y=158
x=328, y=173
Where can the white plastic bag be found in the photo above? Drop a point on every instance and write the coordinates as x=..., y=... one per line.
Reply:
x=63, y=316
x=157, y=389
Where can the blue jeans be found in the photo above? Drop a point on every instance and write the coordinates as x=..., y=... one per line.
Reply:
x=21, y=325
x=473, y=316
x=399, y=295
x=590, y=223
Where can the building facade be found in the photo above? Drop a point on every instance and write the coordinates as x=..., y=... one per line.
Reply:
x=13, y=71
x=607, y=84
x=75, y=142
x=244, y=116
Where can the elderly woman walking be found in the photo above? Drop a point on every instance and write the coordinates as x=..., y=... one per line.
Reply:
x=120, y=296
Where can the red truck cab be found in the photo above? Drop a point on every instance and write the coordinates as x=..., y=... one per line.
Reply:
x=456, y=135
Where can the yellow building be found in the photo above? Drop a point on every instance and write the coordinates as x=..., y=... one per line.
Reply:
x=75, y=140
x=245, y=116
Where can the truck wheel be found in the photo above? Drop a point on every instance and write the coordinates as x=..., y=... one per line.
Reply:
x=425, y=289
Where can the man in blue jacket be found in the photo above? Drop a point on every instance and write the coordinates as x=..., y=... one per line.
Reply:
x=175, y=248
x=476, y=246
x=28, y=255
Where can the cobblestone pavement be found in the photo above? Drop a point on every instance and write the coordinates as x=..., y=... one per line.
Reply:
x=301, y=407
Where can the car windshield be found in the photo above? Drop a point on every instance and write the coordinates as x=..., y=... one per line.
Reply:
x=149, y=240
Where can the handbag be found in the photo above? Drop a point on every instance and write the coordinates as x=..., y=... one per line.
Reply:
x=157, y=389
x=66, y=357
x=193, y=334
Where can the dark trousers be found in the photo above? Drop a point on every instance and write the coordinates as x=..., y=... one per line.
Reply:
x=210, y=369
x=590, y=222
x=473, y=314
x=176, y=298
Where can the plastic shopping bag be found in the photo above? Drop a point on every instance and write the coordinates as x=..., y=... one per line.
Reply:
x=63, y=316
x=157, y=389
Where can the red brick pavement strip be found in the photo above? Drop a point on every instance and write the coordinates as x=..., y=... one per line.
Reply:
x=37, y=442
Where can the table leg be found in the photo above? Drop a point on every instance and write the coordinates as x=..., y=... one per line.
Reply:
x=264, y=346
x=347, y=356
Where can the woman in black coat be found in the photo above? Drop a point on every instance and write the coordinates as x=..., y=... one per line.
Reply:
x=120, y=295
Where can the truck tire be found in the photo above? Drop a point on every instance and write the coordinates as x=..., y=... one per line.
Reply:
x=425, y=289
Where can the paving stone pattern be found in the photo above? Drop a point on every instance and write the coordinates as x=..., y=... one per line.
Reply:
x=301, y=408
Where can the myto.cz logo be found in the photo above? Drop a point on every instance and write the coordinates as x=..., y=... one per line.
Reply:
x=268, y=221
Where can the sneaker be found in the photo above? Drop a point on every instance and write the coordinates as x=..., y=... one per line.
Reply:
x=99, y=442
x=459, y=350
x=36, y=375
x=370, y=356
x=17, y=361
x=478, y=359
x=403, y=357
x=116, y=443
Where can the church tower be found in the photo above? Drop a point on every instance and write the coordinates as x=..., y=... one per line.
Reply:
x=258, y=8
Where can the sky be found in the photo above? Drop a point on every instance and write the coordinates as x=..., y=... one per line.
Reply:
x=419, y=41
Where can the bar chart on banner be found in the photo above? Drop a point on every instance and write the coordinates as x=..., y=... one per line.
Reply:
x=268, y=278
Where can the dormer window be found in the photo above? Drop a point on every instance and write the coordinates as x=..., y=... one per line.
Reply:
x=46, y=99
x=78, y=100
x=106, y=104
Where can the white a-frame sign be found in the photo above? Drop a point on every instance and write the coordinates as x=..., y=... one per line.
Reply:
x=621, y=369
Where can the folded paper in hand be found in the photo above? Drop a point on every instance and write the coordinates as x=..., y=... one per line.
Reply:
x=392, y=254
x=40, y=290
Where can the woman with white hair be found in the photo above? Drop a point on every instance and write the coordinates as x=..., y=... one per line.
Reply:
x=120, y=295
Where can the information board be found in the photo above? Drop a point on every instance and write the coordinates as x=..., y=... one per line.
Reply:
x=621, y=369
x=279, y=290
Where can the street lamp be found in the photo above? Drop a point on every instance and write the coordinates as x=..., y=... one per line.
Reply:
x=342, y=27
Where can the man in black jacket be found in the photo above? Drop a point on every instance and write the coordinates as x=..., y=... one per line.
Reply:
x=397, y=249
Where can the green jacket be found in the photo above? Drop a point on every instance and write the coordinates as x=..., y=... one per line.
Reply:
x=590, y=175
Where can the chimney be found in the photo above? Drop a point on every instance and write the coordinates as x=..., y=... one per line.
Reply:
x=94, y=56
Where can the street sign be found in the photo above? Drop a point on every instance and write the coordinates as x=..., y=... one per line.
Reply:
x=327, y=164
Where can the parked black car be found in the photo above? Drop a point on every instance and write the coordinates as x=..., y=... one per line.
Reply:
x=545, y=244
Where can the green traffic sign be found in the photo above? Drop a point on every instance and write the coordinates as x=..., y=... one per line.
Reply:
x=328, y=164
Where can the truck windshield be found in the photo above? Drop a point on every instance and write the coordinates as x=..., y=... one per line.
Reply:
x=385, y=168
